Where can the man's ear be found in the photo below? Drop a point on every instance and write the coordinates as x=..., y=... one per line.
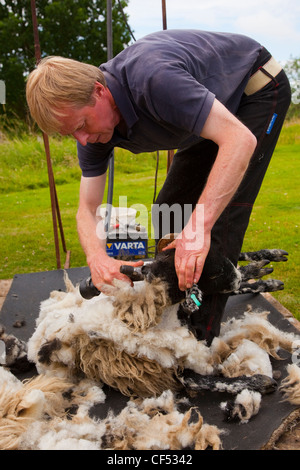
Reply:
x=98, y=90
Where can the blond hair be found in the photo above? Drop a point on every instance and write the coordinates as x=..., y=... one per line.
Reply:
x=58, y=82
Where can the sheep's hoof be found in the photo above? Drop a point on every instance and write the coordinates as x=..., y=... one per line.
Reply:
x=255, y=270
x=268, y=285
x=271, y=255
x=262, y=383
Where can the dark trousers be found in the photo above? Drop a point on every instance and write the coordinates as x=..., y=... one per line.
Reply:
x=191, y=167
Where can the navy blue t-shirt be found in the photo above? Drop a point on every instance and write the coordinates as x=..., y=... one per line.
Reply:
x=164, y=86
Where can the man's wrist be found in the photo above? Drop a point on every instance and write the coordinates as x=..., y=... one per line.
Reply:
x=96, y=254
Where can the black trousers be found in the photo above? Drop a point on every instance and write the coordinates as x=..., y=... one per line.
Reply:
x=191, y=166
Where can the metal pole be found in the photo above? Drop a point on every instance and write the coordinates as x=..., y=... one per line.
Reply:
x=109, y=29
x=164, y=14
x=109, y=39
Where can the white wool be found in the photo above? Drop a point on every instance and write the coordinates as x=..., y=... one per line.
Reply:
x=251, y=400
x=246, y=405
x=248, y=359
x=96, y=318
x=93, y=394
x=290, y=386
x=63, y=435
x=143, y=424
x=170, y=320
x=156, y=423
x=66, y=315
x=34, y=404
x=165, y=400
x=236, y=326
x=152, y=423
x=9, y=380
x=294, y=370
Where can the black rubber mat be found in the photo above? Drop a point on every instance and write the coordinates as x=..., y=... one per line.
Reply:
x=22, y=305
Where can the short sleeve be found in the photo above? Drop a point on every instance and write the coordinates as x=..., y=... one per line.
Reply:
x=94, y=158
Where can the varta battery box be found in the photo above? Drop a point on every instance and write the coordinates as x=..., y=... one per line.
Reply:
x=129, y=244
x=126, y=239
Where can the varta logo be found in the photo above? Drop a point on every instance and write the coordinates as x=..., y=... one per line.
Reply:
x=127, y=245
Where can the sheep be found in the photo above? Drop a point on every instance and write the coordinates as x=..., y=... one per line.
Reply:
x=146, y=329
x=135, y=340
x=107, y=342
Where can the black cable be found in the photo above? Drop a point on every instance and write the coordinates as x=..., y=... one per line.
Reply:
x=156, y=173
x=125, y=19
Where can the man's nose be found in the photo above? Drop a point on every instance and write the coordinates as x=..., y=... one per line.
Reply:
x=81, y=136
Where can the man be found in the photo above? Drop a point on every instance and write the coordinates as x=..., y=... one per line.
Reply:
x=220, y=99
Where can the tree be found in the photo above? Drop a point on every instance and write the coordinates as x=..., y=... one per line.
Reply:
x=72, y=28
x=292, y=69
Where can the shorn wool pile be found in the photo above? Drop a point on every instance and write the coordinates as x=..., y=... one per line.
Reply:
x=131, y=338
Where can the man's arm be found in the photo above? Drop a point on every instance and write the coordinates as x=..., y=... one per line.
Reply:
x=91, y=233
x=236, y=146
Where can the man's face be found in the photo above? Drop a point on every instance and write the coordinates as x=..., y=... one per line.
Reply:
x=92, y=123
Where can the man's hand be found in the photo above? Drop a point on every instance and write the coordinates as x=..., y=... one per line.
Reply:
x=189, y=263
x=191, y=249
x=105, y=269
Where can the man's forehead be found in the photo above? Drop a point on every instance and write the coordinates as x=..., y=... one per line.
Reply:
x=70, y=121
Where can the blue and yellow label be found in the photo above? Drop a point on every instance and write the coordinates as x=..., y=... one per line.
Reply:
x=137, y=248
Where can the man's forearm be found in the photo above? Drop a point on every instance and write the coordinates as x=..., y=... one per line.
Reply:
x=223, y=182
x=91, y=233
x=236, y=146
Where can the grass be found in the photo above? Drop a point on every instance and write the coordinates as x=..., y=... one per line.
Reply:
x=275, y=220
x=25, y=212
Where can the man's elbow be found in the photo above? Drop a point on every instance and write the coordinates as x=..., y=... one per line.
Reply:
x=247, y=143
x=250, y=142
x=85, y=211
x=78, y=215
x=81, y=212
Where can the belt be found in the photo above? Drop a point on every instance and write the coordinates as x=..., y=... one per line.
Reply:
x=260, y=79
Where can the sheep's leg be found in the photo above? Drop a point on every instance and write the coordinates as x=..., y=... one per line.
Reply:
x=255, y=270
x=197, y=383
x=13, y=352
x=271, y=255
x=268, y=285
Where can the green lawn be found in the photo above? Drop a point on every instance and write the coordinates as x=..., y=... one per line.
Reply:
x=275, y=221
x=26, y=224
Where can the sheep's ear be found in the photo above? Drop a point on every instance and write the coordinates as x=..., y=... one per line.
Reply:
x=31, y=405
x=166, y=240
